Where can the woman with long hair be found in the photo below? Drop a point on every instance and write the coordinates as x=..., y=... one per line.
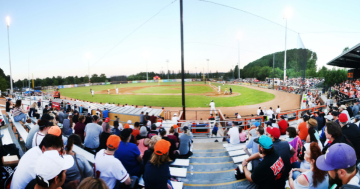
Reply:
x=19, y=113
x=80, y=127
x=157, y=170
x=67, y=125
x=185, y=143
x=81, y=168
x=313, y=178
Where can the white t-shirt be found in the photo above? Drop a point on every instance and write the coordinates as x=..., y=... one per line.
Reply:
x=92, y=92
x=212, y=104
x=25, y=171
x=278, y=110
x=234, y=135
x=174, y=119
x=38, y=137
x=258, y=112
x=270, y=112
x=109, y=169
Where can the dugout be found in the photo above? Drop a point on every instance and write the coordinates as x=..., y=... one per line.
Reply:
x=349, y=59
x=123, y=113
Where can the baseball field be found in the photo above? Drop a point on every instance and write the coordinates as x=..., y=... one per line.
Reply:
x=198, y=94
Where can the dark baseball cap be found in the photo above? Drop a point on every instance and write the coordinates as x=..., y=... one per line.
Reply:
x=335, y=113
x=338, y=156
x=162, y=130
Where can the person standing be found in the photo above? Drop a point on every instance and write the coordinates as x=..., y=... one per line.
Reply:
x=92, y=93
x=105, y=113
x=258, y=111
x=219, y=88
x=117, y=90
x=226, y=91
x=212, y=107
x=230, y=90
x=283, y=125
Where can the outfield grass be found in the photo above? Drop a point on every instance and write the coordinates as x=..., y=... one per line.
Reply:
x=248, y=96
x=176, y=89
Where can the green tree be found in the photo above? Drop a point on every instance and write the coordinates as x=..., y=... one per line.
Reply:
x=346, y=49
x=3, y=84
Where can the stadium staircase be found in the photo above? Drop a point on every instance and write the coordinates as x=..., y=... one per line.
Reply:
x=212, y=168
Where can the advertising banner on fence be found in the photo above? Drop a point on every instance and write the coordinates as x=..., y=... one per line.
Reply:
x=87, y=84
x=188, y=80
x=165, y=80
x=76, y=85
x=102, y=83
x=107, y=83
x=60, y=86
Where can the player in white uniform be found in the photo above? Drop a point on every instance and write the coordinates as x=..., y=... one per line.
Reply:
x=212, y=107
x=92, y=93
x=219, y=88
x=117, y=90
x=109, y=168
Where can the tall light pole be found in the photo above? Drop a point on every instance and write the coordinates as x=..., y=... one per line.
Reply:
x=208, y=69
x=89, y=71
x=167, y=63
x=239, y=36
x=286, y=15
x=195, y=73
x=8, y=24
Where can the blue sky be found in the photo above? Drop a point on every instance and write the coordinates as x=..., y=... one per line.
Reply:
x=55, y=36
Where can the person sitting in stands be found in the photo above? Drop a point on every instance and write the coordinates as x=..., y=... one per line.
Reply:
x=242, y=135
x=81, y=168
x=129, y=154
x=44, y=126
x=67, y=126
x=157, y=170
x=107, y=120
x=271, y=170
x=80, y=127
x=104, y=136
x=283, y=125
x=148, y=153
x=107, y=167
x=313, y=178
x=153, y=131
x=92, y=183
x=116, y=130
x=173, y=153
x=91, y=133
x=185, y=143
x=143, y=141
x=18, y=113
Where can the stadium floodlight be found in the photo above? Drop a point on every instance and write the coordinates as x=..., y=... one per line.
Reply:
x=239, y=37
x=286, y=15
x=88, y=56
x=8, y=25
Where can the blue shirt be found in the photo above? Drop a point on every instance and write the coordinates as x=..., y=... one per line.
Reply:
x=156, y=177
x=355, y=110
x=127, y=154
x=80, y=109
x=254, y=146
x=93, y=132
x=215, y=129
x=115, y=131
x=105, y=113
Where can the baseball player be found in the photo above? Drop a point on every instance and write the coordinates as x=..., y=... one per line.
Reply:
x=117, y=90
x=92, y=93
x=212, y=107
x=219, y=88
x=108, y=91
x=226, y=91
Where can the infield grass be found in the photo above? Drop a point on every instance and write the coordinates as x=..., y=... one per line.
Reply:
x=248, y=96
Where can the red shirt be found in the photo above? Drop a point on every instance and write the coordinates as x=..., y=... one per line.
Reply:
x=283, y=125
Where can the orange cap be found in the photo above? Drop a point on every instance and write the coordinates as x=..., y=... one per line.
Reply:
x=126, y=126
x=107, y=120
x=113, y=141
x=175, y=126
x=162, y=147
x=54, y=130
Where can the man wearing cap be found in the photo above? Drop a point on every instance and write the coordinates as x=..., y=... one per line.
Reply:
x=340, y=163
x=283, y=148
x=253, y=128
x=271, y=172
x=109, y=168
x=50, y=170
x=254, y=146
x=105, y=113
x=91, y=133
x=212, y=107
x=153, y=131
x=24, y=172
x=342, y=109
x=142, y=118
x=322, y=136
x=283, y=125
x=258, y=111
x=351, y=131
x=129, y=154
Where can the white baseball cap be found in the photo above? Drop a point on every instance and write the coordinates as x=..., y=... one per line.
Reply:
x=51, y=163
x=129, y=121
x=329, y=117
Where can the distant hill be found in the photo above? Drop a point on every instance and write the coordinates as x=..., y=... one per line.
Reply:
x=297, y=60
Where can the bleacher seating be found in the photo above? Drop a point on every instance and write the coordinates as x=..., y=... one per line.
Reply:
x=6, y=138
x=20, y=130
